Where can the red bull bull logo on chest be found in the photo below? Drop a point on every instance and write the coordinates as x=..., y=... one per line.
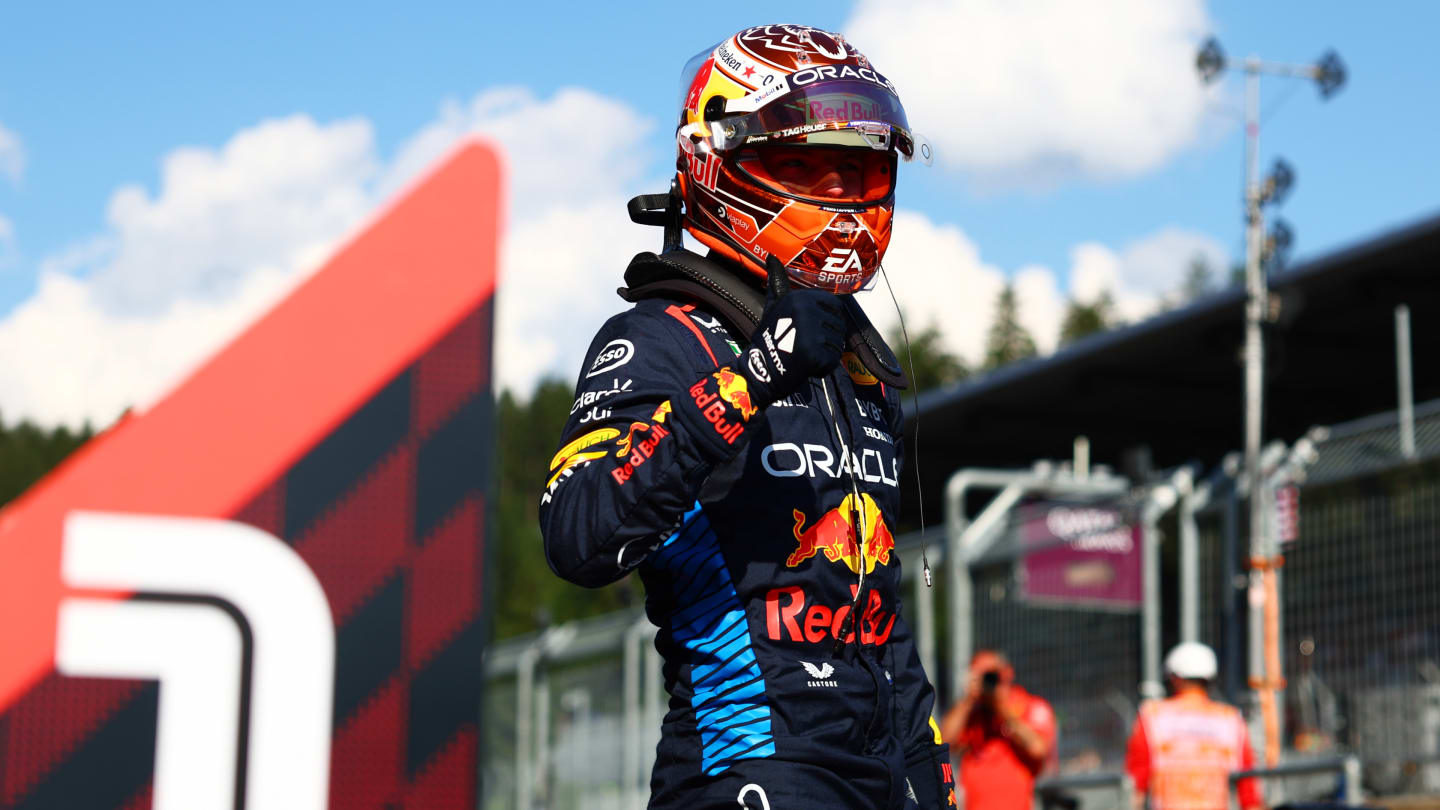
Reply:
x=834, y=535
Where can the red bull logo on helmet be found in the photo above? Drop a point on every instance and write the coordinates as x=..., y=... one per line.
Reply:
x=834, y=535
x=734, y=390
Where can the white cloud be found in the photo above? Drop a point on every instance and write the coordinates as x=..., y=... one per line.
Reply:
x=12, y=156
x=570, y=150
x=12, y=165
x=121, y=316
x=1157, y=264
x=1037, y=92
x=573, y=160
x=177, y=274
x=940, y=278
x=1146, y=274
x=561, y=271
x=69, y=359
x=1041, y=305
x=7, y=241
x=274, y=193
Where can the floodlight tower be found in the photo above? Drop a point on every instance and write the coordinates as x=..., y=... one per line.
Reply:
x=1329, y=75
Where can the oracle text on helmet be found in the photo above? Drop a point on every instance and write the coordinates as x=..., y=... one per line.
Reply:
x=800, y=78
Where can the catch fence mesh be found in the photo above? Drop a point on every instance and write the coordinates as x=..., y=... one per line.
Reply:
x=1083, y=659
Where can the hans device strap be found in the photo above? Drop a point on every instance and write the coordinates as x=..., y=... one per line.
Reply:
x=689, y=276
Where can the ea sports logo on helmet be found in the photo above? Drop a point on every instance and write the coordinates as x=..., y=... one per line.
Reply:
x=842, y=260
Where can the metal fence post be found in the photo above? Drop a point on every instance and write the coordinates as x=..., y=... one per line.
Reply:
x=542, y=735
x=1193, y=499
x=1404, y=381
x=1351, y=769
x=957, y=580
x=1150, y=686
x=1158, y=501
x=631, y=767
x=524, y=717
x=654, y=705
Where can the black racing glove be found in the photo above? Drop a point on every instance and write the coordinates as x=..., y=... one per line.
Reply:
x=799, y=336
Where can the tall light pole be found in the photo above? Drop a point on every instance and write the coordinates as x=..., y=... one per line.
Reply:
x=1328, y=74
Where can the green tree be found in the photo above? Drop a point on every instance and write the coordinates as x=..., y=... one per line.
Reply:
x=1008, y=341
x=528, y=593
x=28, y=452
x=933, y=366
x=1199, y=279
x=1087, y=319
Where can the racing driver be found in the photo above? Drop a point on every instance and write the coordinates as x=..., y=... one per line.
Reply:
x=736, y=438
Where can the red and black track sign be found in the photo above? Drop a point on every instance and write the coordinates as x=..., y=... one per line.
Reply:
x=266, y=590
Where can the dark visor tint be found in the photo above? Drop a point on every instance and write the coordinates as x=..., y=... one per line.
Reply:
x=822, y=173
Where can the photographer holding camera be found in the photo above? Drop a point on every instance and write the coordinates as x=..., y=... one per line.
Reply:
x=1002, y=736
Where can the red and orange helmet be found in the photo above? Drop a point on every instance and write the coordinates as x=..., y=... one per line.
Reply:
x=788, y=146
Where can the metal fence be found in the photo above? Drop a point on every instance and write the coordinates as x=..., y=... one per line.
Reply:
x=1362, y=624
x=572, y=716
x=1360, y=606
x=1084, y=659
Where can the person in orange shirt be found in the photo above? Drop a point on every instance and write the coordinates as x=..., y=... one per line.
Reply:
x=1184, y=748
x=1002, y=735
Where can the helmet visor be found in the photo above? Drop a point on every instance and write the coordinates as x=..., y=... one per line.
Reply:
x=841, y=112
x=821, y=172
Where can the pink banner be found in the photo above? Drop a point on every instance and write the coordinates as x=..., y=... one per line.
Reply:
x=1079, y=554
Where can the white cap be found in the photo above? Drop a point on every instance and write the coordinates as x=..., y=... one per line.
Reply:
x=1192, y=659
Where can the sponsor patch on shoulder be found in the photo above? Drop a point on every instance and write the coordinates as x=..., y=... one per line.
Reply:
x=615, y=354
x=857, y=370
x=592, y=438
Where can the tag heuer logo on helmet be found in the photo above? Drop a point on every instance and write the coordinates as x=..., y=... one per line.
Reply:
x=820, y=675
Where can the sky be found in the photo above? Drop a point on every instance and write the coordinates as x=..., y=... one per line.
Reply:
x=168, y=171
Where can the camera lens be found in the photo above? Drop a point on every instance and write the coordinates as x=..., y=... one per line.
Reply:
x=990, y=680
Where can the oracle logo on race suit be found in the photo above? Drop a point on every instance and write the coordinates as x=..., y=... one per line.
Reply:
x=789, y=460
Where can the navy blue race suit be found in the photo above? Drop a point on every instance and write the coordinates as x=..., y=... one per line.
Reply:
x=742, y=539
